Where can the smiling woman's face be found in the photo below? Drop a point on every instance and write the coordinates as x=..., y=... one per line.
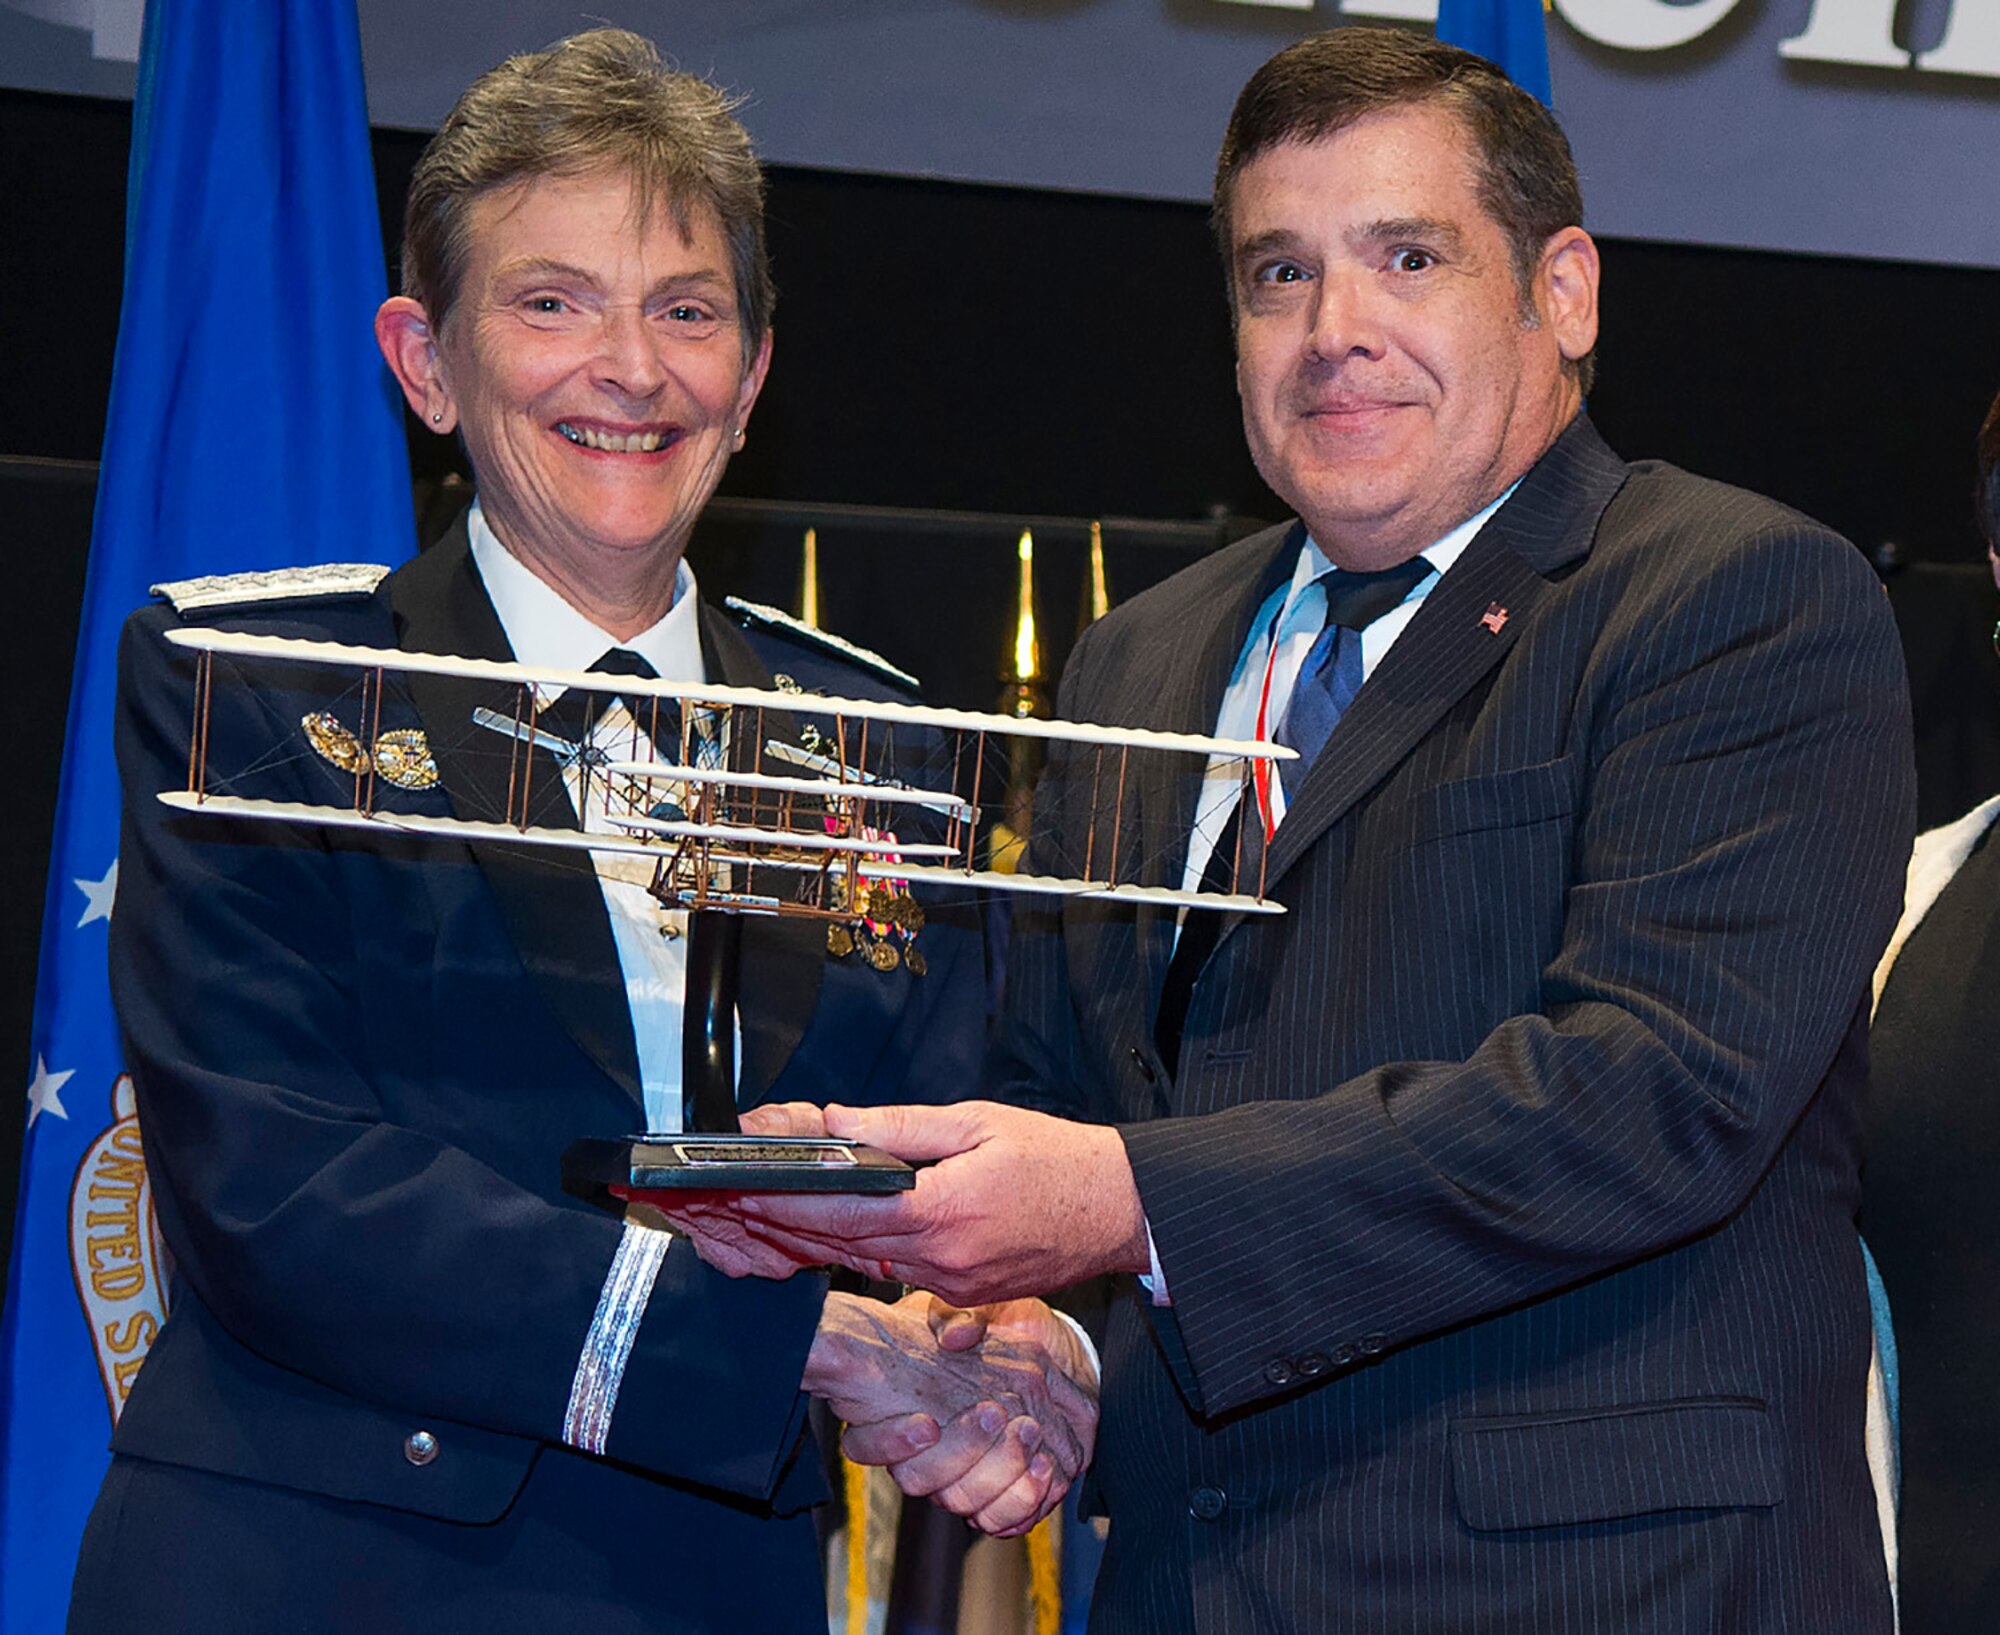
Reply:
x=596, y=368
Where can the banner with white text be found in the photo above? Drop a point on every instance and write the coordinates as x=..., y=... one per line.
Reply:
x=1860, y=127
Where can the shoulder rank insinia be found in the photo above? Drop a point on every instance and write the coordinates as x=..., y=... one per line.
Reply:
x=777, y=619
x=273, y=585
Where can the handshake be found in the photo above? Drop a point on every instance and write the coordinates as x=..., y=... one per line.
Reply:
x=978, y=1396
x=991, y=1413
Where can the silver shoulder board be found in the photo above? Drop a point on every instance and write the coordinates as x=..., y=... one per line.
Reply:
x=778, y=619
x=272, y=585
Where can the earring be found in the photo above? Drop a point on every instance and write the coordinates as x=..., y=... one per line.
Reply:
x=437, y=417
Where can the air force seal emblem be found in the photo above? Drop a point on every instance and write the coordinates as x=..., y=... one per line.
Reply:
x=115, y=1251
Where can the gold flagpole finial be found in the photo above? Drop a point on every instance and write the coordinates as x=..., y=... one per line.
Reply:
x=1021, y=696
x=1098, y=602
x=809, y=579
x=1027, y=651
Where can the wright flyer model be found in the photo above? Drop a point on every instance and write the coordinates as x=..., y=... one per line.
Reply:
x=835, y=821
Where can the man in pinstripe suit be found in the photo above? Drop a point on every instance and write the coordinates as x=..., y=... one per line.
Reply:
x=1493, y=1207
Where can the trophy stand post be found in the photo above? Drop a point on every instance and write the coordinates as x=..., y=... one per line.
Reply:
x=711, y=1153
x=708, y=1026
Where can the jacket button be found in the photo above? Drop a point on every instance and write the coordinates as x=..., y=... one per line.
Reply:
x=1279, y=1372
x=1147, y=1070
x=1372, y=1345
x=1344, y=1353
x=1206, y=1503
x=420, y=1447
x=1312, y=1365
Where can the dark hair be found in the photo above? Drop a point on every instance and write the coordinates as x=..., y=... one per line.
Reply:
x=599, y=100
x=1988, y=494
x=1324, y=83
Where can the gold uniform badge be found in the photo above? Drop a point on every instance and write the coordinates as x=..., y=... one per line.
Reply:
x=334, y=743
x=402, y=756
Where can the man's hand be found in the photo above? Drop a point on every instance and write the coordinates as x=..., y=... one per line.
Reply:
x=994, y=1429
x=1016, y=1203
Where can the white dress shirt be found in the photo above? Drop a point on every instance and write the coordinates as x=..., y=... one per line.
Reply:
x=543, y=629
x=1293, y=616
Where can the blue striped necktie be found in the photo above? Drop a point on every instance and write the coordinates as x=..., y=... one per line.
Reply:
x=1331, y=674
x=1327, y=683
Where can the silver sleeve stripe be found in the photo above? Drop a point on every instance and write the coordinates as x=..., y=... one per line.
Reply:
x=600, y=1369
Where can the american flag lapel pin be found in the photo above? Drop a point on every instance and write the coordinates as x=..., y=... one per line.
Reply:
x=1494, y=617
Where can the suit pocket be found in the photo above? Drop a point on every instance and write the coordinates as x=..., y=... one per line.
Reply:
x=1560, y=1470
x=1497, y=800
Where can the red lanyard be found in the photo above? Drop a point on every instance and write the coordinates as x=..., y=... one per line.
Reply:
x=1260, y=771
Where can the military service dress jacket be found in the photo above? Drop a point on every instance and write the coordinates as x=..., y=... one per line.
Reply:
x=358, y=1062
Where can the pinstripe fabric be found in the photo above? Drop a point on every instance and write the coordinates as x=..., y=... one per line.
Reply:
x=1506, y=1189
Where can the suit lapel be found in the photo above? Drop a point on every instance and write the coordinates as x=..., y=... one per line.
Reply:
x=783, y=957
x=1463, y=629
x=1449, y=645
x=1188, y=698
x=551, y=901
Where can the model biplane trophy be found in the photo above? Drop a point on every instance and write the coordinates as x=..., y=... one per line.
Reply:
x=724, y=805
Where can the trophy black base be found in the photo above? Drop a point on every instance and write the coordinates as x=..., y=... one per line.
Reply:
x=669, y=1163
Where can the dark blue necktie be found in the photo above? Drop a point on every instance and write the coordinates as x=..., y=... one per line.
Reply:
x=659, y=719
x=572, y=716
x=571, y=719
x=666, y=730
x=622, y=661
x=1331, y=674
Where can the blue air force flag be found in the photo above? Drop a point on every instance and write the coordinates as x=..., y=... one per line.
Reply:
x=251, y=424
x=1512, y=33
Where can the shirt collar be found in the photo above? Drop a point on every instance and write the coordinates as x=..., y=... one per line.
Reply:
x=1314, y=562
x=545, y=630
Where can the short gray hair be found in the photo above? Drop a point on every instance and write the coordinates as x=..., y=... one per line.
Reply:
x=602, y=100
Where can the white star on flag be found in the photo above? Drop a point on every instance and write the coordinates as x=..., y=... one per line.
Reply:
x=44, y=1092
x=99, y=894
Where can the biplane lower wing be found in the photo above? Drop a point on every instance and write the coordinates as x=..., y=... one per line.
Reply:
x=751, y=838
x=868, y=868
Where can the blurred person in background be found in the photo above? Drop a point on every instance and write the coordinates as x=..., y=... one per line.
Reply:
x=1930, y=1205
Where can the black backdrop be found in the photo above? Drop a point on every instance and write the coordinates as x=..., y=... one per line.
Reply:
x=943, y=345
